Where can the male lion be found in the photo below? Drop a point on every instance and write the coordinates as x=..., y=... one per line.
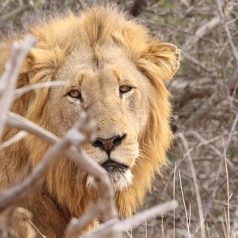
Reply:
x=116, y=72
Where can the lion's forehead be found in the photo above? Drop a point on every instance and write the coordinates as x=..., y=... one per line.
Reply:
x=105, y=59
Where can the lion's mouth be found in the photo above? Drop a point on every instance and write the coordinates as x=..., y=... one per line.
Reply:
x=111, y=166
x=120, y=175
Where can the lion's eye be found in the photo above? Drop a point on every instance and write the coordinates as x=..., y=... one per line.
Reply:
x=75, y=94
x=125, y=89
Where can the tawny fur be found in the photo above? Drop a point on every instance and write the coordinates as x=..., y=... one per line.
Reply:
x=64, y=193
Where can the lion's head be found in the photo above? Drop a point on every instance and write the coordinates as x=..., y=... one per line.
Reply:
x=116, y=72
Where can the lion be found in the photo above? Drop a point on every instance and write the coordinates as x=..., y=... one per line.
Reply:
x=116, y=72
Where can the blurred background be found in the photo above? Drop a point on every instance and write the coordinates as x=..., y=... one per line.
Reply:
x=203, y=170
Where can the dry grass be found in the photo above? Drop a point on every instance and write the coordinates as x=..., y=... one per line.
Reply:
x=205, y=104
x=202, y=174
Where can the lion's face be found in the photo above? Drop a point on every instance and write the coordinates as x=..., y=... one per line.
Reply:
x=114, y=93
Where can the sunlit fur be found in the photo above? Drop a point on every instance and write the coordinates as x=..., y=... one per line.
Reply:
x=64, y=193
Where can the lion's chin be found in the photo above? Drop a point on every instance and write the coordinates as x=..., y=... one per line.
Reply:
x=120, y=179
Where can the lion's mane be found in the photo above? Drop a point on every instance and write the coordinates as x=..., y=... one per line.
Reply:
x=56, y=39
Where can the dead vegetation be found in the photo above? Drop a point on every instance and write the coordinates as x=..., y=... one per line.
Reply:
x=202, y=175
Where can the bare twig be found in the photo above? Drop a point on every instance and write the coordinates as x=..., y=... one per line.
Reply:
x=204, y=29
x=21, y=91
x=228, y=222
x=195, y=181
x=231, y=132
x=14, y=12
x=174, y=197
x=105, y=191
x=10, y=75
x=76, y=225
x=228, y=33
x=16, y=193
x=16, y=121
x=220, y=167
x=185, y=208
x=201, y=31
x=19, y=136
x=113, y=227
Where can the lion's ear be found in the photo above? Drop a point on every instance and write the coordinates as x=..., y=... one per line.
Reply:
x=160, y=59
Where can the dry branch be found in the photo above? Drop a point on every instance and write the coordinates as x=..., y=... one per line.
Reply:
x=19, y=136
x=112, y=227
x=227, y=30
x=18, y=192
x=9, y=77
x=205, y=29
x=198, y=101
x=76, y=225
x=74, y=138
x=14, y=13
x=195, y=181
x=185, y=208
x=105, y=191
x=18, y=122
x=201, y=32
x=23, y=90
x=107, y=207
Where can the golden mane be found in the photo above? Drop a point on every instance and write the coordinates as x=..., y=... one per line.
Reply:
x=56, y=38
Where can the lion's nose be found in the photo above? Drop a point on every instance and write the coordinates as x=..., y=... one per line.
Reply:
x=109, y=144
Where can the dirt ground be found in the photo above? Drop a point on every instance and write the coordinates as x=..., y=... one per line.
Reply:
x=203, y=170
